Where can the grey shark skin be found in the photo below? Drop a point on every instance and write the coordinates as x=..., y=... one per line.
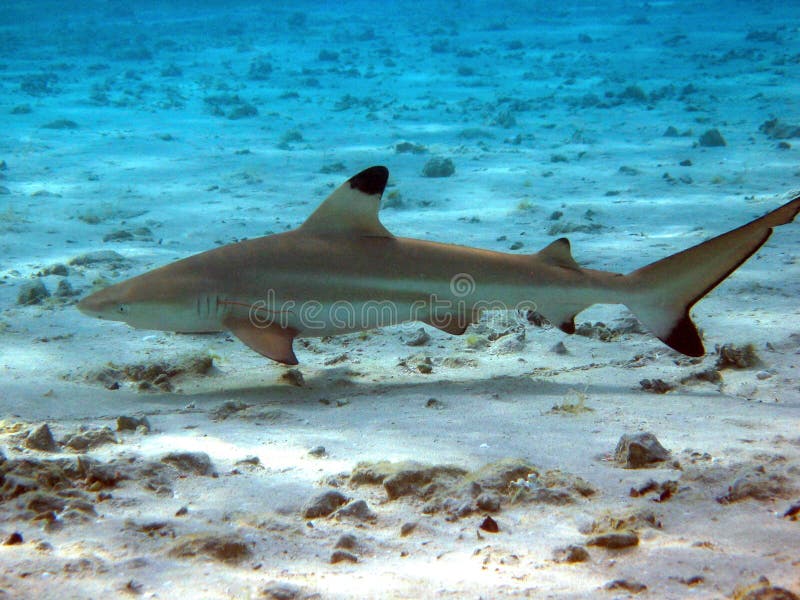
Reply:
x=343, y=271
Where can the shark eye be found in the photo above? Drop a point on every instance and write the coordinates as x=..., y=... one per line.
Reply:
x=123, y=309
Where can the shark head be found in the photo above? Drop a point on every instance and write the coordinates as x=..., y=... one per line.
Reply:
x=118, y=302
x=150, y=301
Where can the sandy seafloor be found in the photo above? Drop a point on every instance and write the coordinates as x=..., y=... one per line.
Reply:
x=116, y=117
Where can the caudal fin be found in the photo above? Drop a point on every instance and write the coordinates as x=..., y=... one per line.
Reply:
x=663, y=292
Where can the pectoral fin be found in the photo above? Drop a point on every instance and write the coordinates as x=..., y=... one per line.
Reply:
x=272, y=341
x=454, y=323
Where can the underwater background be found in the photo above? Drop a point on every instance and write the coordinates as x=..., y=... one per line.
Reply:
x=135, y=134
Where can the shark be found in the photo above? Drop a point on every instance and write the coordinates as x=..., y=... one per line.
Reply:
x=342, y=271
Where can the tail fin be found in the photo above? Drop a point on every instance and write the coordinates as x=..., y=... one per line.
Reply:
x=664, y=291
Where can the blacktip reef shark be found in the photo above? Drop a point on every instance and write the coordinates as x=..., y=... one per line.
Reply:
x=343, y=271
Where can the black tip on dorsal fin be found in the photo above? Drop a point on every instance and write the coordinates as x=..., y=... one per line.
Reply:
x=370, y=181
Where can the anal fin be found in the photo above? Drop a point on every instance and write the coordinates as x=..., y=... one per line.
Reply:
x=272, y=341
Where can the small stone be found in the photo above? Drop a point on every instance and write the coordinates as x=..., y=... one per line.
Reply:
x=42, y=439
x=228, y=548
x=509, y=344
x=120, y=235
x=420, y=338
x=615, y=541
x=489, y=525
x=500, y=476
x=133, y=587
x=639, y=450
x=763, y=590
x=64, y=289
x=280, y=590
x=459, y=509
x=408, y=528
x=61, y=124
x=86, y=440
x=98, y=257
x=656, y=386
x=559, y=348
x=294, y=377
x=692, y=580
x=571, y=554
x=40, y=502
x=778, y=130
x=731, y=356
x=197, y=463
x=32, y=292
x=411, y=478
x=318, y=452
x=82, y=506
x=358, y=510
x=17, y=485
x=438, y=167
x=227, y=409
x=347, y=541
x=324, y=504
x=712, y=138
x=634, y=587
x=488, y=502
x=665, y=490
x=182, y=511
x=56, y=269
x=757, y=483
x=260, y=69
x=99, y=475
x=328, y=55
x=434, y=403
x=410, y=147
x=343, y=556
x=126, y=423
x=13, y=539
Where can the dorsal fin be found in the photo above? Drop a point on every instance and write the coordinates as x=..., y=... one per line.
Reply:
x=353, y=207
x=559, y=253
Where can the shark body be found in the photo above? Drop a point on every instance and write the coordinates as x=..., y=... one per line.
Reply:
x=343, y=271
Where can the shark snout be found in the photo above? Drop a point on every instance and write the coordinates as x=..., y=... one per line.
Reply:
x=103, y=304
x=91, y=305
